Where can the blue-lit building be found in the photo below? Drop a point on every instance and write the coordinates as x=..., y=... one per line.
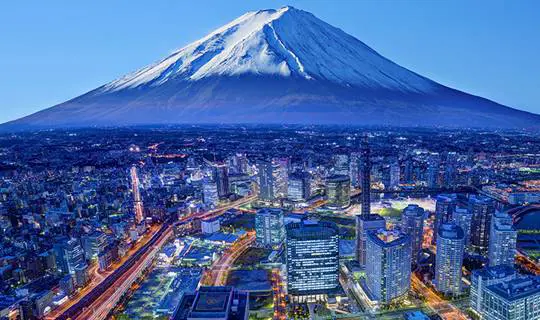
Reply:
x=502, y=240
x=482, y=278
x=516, y=299
x=312, y=259
x=388, y=267
x=449, y=258
x=444, y=206
x=269, y=227
x=364, y=224
x=412, y=223
x=482, y=209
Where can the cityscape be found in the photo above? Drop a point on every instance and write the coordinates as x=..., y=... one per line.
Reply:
x=270, y=223
x=277, y=168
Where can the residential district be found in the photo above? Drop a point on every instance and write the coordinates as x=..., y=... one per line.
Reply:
x=248, y=222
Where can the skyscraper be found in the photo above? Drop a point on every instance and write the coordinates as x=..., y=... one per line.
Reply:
x=221, y=177
x=312, y=258
x=280, y=173
x=449, y=258
x=210, y=194
x=502, y=240
x=341, y=164
x=482, y=209
x=412, y=223
x=364, y=224
x=266, y=180
x=269, y=227
x=299, y=187
x=444, y=206
x=463, y=218
x=365, y=177
x=388, y=268
x=338, y=191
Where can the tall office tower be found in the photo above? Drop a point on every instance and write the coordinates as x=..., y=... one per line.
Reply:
x=388, y=268
x=240, y=163
x=269, y=227
x=482, y=209
x=463, y=218
x=444, y=206
x=341, y=164
x=516, y=299
x=502, y=240
x=210, y=194
x=221, y=177
x=365, y=177
x=69, y=255
x=266, y=180
x=338, y=191
x=395, y=175
x=450, y=169
x=281, y=175
x=408, y=170
x=364, y=224
x=482, y=278
x=312, y=258
x=354, y=168
x=412, y=223
x=449, y=258
x=432, y=174
x=299, y=188
x=93, y=243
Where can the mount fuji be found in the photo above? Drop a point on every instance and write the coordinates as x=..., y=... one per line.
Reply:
x=277, y=66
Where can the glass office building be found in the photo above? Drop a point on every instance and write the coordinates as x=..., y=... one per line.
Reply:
x=269, y=227
x=312, y=259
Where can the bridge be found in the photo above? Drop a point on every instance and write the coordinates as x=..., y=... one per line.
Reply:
x=518, y=213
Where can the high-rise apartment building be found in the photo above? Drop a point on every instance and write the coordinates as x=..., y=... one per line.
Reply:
x=449, y=258
x=388, y=267
x=364, y=224
x=412, y=223
x=482, y=209
x=502, y=240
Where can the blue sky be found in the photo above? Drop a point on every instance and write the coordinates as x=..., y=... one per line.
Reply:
x=51, y=51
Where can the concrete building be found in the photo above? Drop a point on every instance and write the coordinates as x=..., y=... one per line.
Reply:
x=210, y=225
x=312, y=250
x=412, y=223
x=266, y=180
x=444, y=206
x=210, y=194
x=270, y=227
x=365, y=224
x=388, y=267
x=449, y=259
x=482, y=209
x=463, y=218
x=502, y=240
x=482, y=278
x=517, y=299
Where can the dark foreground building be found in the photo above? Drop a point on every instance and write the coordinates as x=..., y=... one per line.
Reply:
x=217, y=303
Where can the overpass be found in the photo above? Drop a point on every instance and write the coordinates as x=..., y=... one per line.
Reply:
x=519, y=212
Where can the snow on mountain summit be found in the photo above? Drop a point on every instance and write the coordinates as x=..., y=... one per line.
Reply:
x=285, y=43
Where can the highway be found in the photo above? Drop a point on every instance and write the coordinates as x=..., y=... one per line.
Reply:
x=218, y=273
x=106, y=302
x=442, y=307
x=280, y=307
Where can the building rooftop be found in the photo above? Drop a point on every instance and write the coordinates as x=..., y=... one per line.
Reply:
x=496, y=272
x=517, y=288
x=451, y=231
x=388, y=238
x=309, y=229
x=370, y=217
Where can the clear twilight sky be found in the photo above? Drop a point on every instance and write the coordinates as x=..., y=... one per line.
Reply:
x=52, y=51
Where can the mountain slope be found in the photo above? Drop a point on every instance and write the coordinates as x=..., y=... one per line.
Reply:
x=277, y=66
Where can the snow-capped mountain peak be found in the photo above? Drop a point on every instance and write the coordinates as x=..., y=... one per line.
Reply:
x=287, y=43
